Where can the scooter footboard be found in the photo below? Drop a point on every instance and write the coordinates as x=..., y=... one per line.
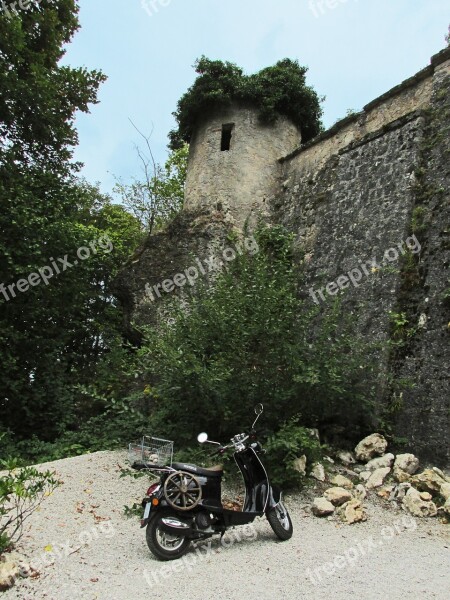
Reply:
x=232, y=518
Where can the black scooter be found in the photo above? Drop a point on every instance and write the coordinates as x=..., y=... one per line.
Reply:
x=185, y=505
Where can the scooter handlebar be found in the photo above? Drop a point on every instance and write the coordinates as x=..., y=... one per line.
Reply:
x=237, y=441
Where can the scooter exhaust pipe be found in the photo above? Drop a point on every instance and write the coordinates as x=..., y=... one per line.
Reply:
x=174, y=526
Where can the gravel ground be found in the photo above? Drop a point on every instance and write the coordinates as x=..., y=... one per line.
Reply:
x=391, y=555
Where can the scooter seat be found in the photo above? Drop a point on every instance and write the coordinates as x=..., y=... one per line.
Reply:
x=216, y=471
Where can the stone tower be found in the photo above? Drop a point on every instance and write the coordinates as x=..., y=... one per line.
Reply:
x=233, y=162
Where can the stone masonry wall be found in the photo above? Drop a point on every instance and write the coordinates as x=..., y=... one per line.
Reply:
x=425, y=410
x=356, y=203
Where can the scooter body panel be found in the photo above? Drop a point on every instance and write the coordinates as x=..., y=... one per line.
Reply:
x=257, y=487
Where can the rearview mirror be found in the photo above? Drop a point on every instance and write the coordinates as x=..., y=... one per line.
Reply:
x=202, y=437
x=258, y=410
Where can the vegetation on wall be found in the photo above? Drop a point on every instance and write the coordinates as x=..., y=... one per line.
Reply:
x=277, y=90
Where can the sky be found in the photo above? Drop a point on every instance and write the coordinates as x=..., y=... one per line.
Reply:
x=355, y=50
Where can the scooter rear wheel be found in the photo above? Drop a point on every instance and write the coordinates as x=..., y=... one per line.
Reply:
x=280, y=521
x=164, y=545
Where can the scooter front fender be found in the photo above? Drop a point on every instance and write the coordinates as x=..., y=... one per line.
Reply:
x=274, y=497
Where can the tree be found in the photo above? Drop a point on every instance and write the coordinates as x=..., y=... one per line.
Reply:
x=156, y=199
x=277, y=90
x=52, y=332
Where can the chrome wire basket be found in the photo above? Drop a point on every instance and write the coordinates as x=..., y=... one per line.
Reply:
x=151, y=452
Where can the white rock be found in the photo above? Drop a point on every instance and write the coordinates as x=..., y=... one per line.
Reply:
x=399, y=492
x=346, y=458
x=337, y=495
x=380, y=463
x=12, y=566
x=446, y=507
x=352, y=512
x=343, y=482
x=299, y=464
x=385, y=491
x=426, y=496
x=371, y=446
x=417, y=506
x=365, y=475
x=314, y=433
x=322, y=508
x=318, y=472
x=428, y=481
x=360, y=492
x=400, y=475
x=377, y=478
x=441, y=474
x=407, y=463
x=445, y=491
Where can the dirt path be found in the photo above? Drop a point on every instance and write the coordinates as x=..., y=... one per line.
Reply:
x=82, y=555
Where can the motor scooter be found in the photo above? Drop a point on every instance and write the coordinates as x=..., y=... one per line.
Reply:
x=185, y=505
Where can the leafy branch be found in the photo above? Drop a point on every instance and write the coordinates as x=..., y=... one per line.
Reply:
x=22, y=490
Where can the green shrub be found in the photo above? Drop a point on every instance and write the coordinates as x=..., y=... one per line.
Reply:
x=252, y=339
x=118, y=424
x=291, y=441
x=21, y=492
x=277, y=90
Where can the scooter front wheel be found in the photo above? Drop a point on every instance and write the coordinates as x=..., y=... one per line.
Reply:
x=280, y=521
x=163, y=545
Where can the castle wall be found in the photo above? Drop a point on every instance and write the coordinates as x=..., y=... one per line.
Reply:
x=425, y=415
x=356, y=195
x=412, y=94
x=369, y=205
x=240, y=181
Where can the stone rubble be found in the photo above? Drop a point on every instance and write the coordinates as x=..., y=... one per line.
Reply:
x=346, y=458
x=371, y=446
x=322, y=508
x=12, y=566
x=380, y=463
x=377, y=478
x=428, y=481
x=395, y=479
x=352, y=512
x=342, y=482
x=407, y=463
x=418, y=504
x=299, y=465
x=337, y=495
x=318, y=472
x=399, y=475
